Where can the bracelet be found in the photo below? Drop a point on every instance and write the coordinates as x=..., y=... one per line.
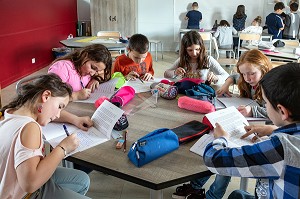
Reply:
x=65, y=152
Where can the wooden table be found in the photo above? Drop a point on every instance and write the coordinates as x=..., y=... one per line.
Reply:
x=79, y=42
x=177, y=167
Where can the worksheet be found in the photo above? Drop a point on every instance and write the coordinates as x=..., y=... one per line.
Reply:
x=104, y=120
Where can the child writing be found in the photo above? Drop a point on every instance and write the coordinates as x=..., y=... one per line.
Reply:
x=251, y=67
x=138, y=62
x=84, y=69
x=274, y=161
x=254, y=28
x=194, y=17
x=224, y=35
x=23, y=167
x=195, y=63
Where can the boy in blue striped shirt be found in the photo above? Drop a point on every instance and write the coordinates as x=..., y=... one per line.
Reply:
x=275, y=162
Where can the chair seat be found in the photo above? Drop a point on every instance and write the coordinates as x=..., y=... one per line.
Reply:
x=227, y=61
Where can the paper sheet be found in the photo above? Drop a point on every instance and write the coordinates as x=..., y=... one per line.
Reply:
x=140, y=87
x=104, y=120
x=105, y=89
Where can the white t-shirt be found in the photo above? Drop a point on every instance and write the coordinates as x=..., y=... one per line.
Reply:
x=13, y=153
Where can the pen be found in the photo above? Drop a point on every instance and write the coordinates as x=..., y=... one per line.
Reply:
x=255, y=134
x=141, y=80
x=125, y=140
x=66, y=130
x=82, y=84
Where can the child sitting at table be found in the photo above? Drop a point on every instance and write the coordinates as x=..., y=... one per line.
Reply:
x=224, y=36
x=275, y=161
x=195, y=63
x=84, y=69
x=254, y=28
x=251, y=67
x=138, y=61
x=25, y=171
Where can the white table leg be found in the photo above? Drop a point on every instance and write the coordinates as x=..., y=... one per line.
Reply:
x=156, y=194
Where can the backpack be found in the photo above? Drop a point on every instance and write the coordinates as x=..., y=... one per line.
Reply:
x=203, y=92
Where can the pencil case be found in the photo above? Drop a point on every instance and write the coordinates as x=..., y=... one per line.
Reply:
x=152, y=146
x=195, y=105
x=124, y=95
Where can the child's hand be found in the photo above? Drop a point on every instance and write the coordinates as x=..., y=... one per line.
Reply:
x=70, y=143
x=147, y=77
x=132, y=75
x=84, y=94
x=245, y=110
x=179, y=71
x=219, y=132
x=83, y=123
x=224, y=90
x=259, y=130
x=211, y=77
x=93, y=85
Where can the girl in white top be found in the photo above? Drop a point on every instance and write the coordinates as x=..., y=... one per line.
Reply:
x=254, y=28
x=24, y=170
x=195, y=63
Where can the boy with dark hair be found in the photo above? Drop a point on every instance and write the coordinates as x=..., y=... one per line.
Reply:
x=194, y=17
x=274, y=21
x=291, y=21
x=275, y=161
x=138, y=61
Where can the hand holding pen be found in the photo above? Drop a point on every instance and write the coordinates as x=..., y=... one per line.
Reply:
x=259, y=131
x=246, y=110
x=179, y=72
x=70, y=143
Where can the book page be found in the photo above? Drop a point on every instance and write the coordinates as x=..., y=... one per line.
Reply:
x=200, y=145
x=140, y=87
x=105, y=89
x=233, y=123
x=236, y=101
x=105, y=117
x=104, y=120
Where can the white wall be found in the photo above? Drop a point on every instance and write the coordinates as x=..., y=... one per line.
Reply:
x=162, y=19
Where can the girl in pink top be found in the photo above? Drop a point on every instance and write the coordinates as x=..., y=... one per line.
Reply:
x=24, y=170
x=84, y=69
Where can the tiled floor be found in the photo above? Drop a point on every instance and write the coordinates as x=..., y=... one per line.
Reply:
x=108, y=187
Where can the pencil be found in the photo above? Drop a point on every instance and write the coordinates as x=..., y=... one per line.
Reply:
x=141, y=80
x=125, y=140
x=66, y=130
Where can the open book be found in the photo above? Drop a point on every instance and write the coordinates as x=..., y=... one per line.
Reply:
x=233, y=123
x=105, y=89
x=104, y=120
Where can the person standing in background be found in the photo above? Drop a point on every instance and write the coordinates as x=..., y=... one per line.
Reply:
x=274, y=21
x=239, y=20
x=194, y=17
x=291, y=21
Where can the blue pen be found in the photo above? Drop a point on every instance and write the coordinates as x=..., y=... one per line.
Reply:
x=82, y=84
x=66, y=130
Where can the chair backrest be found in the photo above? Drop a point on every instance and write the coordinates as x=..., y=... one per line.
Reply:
x=109, y=34
x=207, y=36
x=249, y=36
x=24, y=81
x=287, y=42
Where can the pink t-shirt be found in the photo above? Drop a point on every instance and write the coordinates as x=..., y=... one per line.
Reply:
x=13, y=153
x=65, y=69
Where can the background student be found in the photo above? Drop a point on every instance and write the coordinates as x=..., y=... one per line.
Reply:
x=292, y=22
x=84, y=69
x=274, y=162
x=195, y=63
x=274, y=21
x=251, y=67
x=23, y=166
x=138, y=61
x=224, y=35
x=194, y=17
x=238, y=22
x=254, y=28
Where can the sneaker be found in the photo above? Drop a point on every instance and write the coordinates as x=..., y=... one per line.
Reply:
x=200, y=195
x=185, y=190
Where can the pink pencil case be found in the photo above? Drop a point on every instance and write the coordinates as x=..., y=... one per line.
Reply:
x=195, y=105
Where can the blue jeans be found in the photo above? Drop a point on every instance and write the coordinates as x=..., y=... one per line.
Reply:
x=66, y=183
x=240, y=194
x=217, y=189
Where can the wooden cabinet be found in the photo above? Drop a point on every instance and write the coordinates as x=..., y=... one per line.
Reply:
x=113, y=15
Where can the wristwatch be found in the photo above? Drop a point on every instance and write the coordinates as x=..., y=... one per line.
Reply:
x=65, y=152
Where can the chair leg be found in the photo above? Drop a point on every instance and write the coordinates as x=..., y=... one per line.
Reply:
x=155, y=51
x=162, y=54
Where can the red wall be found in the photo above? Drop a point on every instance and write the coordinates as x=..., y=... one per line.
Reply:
x=30, y=29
